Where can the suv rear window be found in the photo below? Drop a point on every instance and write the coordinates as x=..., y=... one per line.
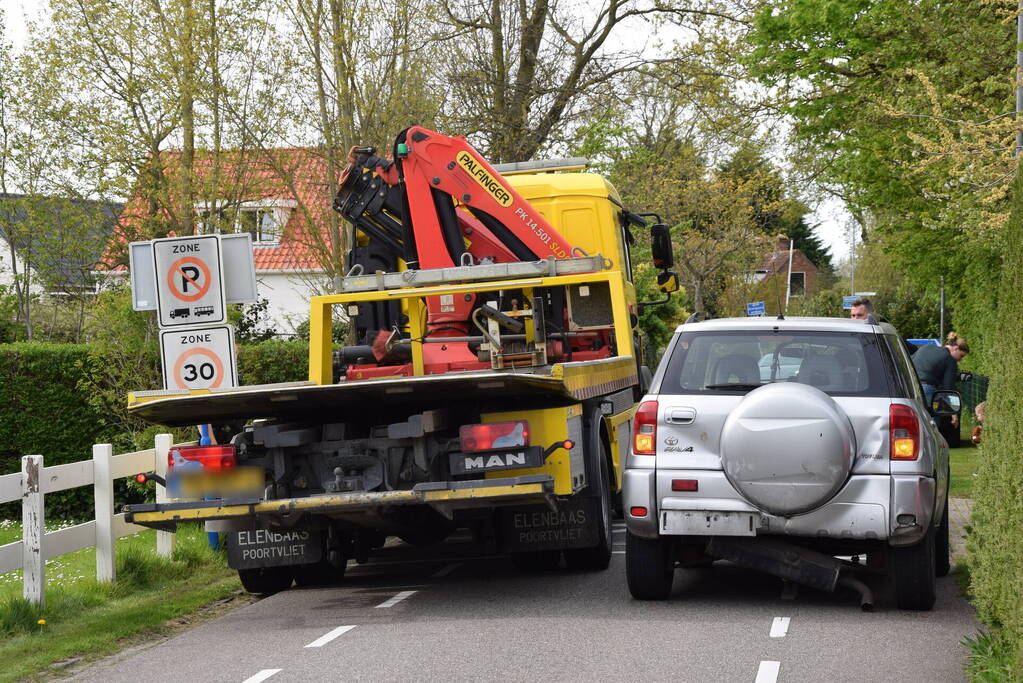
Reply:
x=737, y=361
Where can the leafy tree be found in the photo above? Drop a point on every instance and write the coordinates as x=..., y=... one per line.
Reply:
x=522, y=75
x=891, y=114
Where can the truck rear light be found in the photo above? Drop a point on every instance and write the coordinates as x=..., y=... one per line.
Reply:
x=202, y=457
x=904, y=432
x=638, y=511
x=495, y=435
x=644, y=429
x=685, y=485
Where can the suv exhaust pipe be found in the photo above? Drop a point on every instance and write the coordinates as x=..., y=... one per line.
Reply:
x=866, y=595
x=792, y=562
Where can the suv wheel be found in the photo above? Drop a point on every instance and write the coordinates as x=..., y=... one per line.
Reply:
x=912, y=570
x=942, y=556
x=649, y=567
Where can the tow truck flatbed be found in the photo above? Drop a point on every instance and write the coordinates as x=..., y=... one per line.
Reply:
x=571, y=382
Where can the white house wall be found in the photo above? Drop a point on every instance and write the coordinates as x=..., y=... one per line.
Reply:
x=7, y=271
x=288, y=295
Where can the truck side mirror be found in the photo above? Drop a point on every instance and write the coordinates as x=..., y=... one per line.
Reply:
x=660, y=246
x=667, y=281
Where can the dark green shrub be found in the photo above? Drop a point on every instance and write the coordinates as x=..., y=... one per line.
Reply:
x=995, y=543
x=273, y=361
x=45, y=412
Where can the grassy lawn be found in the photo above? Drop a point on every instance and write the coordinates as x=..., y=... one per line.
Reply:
x=85, y=619
x=964, y=462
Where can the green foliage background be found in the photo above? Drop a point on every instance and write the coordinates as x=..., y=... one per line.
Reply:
x=995, y=542
x=60, y=399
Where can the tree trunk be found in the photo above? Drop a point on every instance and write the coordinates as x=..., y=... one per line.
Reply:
x=187, y=85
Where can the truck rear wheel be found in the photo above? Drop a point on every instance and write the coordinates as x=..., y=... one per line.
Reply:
x=322, y=573
x=266, y=580
x=599, y=556
x=649, y=567
x=537, y=561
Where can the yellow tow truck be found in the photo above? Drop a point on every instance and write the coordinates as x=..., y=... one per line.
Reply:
x=491, y=386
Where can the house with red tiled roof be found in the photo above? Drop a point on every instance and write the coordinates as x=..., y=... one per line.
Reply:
x=282, y=197
x=772, y=271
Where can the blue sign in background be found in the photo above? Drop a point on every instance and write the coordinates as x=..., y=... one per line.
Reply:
x=847, y=301
x=756, y=308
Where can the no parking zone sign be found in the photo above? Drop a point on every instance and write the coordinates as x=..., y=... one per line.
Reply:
x=198, y=358
x=189, y=281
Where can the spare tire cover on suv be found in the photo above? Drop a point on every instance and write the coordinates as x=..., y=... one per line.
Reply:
x=787, y=448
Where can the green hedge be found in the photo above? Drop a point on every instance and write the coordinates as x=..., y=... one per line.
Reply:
x=60, y=399
x=45, y=412
x=995, y=541
x=273, y=361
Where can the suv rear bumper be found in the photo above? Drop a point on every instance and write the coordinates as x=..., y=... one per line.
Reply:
x=894, y=508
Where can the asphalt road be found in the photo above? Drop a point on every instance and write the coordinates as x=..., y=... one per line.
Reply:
x=454, y=614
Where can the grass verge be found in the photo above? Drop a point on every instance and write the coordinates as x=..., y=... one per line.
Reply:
x=990, y=659
x=964, y=463
x=83, y=619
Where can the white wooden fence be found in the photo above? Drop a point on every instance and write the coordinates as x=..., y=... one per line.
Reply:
x=31, y=485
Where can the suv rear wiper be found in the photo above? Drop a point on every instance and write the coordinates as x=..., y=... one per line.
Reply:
x=735, y=385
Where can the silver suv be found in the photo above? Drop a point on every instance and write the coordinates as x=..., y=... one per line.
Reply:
x=786, y=445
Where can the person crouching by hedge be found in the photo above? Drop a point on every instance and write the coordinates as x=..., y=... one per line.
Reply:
x=938, y=366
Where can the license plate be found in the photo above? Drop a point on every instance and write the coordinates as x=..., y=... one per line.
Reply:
x=708, y=523
x=237, y=482
x=273, y=547
x=494, y=461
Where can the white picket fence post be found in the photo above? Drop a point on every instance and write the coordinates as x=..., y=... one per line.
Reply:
x=104, y=498
x=33, y=524
x=164, y=539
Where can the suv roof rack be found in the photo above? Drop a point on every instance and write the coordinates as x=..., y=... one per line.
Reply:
x=696, y=317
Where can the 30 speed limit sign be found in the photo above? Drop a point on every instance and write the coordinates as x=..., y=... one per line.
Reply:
x=198, y=358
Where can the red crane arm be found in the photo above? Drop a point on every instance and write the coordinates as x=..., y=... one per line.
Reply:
x=433, y=165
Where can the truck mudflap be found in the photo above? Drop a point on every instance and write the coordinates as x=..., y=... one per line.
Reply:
x=445, y=497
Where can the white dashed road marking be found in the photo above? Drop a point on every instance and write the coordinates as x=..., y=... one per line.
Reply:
x=323, y=640
x=768, y=672
x=446, y=570
x=779, y=627
x=261, y=676
x=396, y=599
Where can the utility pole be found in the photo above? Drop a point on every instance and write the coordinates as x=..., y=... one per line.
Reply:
x=852, y=253
x=941, y=338
x=788, y=284
x=1019, y=76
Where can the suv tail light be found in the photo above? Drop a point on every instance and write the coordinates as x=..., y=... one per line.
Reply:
x=904, y=433
x=644, y=429
x=492, y=436
x=202, y=457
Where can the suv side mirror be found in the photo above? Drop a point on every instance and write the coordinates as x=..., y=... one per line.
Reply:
x=946, y=402
x=660, y=246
